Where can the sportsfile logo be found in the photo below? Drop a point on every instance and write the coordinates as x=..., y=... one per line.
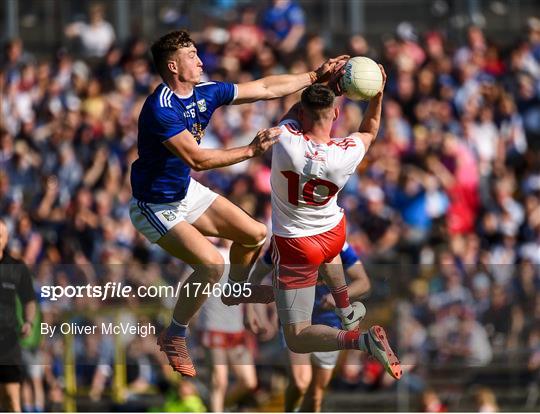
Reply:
x=119, y=290
x=111, y=290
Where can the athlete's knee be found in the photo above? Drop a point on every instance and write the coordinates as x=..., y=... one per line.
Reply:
x=214, y=267
x=215, y=271
x=294, y=343
x=248, y=383
x=219, y=382
x=301, y=382
x=256, y=236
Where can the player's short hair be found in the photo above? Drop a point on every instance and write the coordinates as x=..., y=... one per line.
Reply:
x=166, y=46
x=316, y=99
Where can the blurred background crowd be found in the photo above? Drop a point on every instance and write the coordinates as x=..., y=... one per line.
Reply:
x=444, y=210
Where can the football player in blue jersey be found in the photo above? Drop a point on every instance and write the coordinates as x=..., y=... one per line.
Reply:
x=172, y=209
x=310, y=374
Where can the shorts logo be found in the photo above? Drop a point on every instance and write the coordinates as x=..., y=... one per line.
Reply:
x=202, y=105
x=169, y=215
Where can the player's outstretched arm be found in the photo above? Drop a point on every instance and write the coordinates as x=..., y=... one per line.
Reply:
x=372, y=118
x=183, y=145
x=278, y=86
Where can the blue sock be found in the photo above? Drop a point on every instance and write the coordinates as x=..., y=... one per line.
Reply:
x=176, y=329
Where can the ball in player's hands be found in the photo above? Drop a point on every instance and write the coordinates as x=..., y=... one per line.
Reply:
x=362, y=79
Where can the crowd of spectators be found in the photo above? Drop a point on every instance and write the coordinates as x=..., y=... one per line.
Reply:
x=451, y=186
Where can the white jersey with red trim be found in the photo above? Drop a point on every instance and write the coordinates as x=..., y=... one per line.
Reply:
x=306, y=178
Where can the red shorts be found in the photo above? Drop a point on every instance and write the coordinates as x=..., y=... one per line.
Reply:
x=223, y=340
x=297, y=260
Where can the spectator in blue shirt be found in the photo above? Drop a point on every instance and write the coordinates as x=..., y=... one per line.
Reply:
x=284, y=25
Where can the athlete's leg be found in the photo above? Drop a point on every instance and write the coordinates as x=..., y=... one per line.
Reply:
x=333, y=273
x=334, y=276
x=39, y=392
x=27, y=396
x=242, y=366
x=185, y=242
x=10, y=396
x=219, y=378
x=226, y=220
x=312, y=401
x=299, y=378
x=302, y=337
x=294, y=308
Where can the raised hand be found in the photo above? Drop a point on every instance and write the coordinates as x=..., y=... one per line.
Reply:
x=383, y=78
x=333, y=82
x=264, y=139
x=332, y=66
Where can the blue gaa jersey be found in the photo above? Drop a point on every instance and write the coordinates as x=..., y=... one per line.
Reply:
x=325, y=316
x=158, y=176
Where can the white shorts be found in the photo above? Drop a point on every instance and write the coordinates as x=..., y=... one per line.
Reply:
x=154, y=220
x=325, y=360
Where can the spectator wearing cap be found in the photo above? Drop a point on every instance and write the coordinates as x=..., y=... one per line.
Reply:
x=408, y=39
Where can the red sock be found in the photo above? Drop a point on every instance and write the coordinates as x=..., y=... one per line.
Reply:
x=341, y=296
x=348, y=339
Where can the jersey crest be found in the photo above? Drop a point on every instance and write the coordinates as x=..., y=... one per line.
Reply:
x=201, y=103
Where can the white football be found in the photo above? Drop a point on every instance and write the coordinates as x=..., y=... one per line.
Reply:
x=362, y=79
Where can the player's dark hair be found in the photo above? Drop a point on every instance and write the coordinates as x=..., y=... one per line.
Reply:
x=166, y=46
x=317, y=98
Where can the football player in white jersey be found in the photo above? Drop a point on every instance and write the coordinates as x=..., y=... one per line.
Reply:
x=309, y=168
